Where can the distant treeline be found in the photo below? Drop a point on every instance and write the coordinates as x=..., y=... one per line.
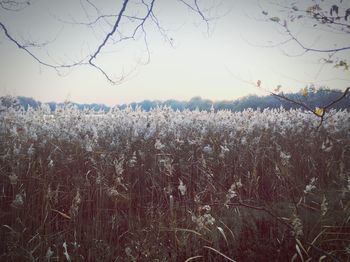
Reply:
x=317, y=98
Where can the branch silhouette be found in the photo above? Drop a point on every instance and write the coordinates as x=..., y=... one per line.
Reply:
x=122, y=19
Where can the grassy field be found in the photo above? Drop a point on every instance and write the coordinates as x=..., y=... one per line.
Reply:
x=174, y=186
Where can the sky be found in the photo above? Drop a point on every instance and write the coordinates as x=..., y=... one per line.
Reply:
x=221, y=64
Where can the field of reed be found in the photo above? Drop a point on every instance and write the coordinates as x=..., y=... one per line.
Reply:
x=164, y=185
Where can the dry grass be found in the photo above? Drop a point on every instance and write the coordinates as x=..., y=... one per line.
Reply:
x=106, y=187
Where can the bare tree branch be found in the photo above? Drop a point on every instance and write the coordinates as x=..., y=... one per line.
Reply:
x=294, y=102
x=113, y=35
x=25, y=48
x=307, y=49
x=195, y=8
x=299, y=103
x=99, y=18
x=314, y=14
x=320, y=17
x=338, y=99
x=116, y=24
x=323, y=108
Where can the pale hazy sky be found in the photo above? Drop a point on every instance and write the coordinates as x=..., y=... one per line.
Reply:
x=213, y=67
